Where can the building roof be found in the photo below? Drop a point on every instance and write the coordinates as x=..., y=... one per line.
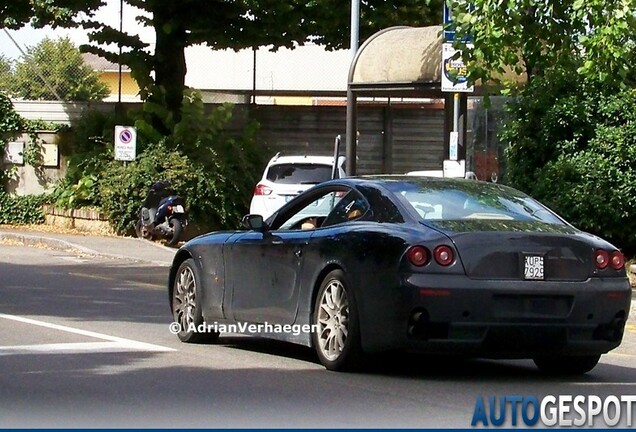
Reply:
x=101, y=64
x=400, y=55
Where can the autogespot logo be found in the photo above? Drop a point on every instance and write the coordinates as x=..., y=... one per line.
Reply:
x=554, y=411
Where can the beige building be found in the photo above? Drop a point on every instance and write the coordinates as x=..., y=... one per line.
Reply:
x=109, y=74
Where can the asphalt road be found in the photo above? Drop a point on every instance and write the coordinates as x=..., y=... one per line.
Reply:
x=84, y=342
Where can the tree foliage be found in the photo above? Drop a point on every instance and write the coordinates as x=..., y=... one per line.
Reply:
x=6, y=73
x=572, y=145
x=592, y=38
x=570, y=134
x=17, y=13
x=55, y=69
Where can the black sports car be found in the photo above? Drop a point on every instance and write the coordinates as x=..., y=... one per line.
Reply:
x=443, y=266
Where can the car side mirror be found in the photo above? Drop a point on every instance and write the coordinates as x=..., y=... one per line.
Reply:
x=254, y=222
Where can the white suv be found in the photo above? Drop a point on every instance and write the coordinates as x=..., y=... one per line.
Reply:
x=287, y=176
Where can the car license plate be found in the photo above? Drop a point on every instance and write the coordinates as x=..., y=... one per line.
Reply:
x=177, y=209
x=533, y=267
x=289, y=197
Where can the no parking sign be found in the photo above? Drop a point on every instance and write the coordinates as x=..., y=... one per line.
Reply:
x=125, y=143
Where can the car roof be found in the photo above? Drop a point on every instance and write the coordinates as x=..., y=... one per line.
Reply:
x=402, y=178
x=320, y=160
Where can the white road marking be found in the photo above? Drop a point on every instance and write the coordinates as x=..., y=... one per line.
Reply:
x=114, y=344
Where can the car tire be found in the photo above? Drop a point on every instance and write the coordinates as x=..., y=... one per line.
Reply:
x=567, y=365
x=186, y=305
x=337, y=336
x=176, y=232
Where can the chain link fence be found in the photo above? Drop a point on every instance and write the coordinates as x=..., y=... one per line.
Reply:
x=52, y=70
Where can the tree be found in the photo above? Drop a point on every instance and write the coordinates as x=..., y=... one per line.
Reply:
x=55, y=68
x=17, y=13
x=242, y=24
x=570, y=131
x=592, y=38
x=6, y=75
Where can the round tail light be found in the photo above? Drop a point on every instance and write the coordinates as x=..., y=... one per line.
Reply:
x=418, y=255
x=617, y=260
x=444, y=255
x=601, y=259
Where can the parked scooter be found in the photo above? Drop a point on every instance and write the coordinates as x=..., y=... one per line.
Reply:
x=163, y=214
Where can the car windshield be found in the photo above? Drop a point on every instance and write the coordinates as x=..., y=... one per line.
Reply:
x=446, y=200
x=299, y=173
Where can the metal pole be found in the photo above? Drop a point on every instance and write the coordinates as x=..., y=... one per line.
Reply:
x=355, y=26
x=336, y=152
x=254, y=75
x=456, y=112
x=121, y=30
x=351, y=143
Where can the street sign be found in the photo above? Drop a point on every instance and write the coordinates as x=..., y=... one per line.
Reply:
x=454, y=71
x=449, y=28
x=125, y=143
x=449, y=25
x=454, y=168
x=453, y=146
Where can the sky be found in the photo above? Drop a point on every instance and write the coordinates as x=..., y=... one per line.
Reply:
x=108, y=14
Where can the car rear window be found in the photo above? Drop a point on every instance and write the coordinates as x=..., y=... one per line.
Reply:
x=299, y=173
x=466, y=200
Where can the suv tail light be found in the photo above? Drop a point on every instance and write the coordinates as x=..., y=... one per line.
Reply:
x=261, y=189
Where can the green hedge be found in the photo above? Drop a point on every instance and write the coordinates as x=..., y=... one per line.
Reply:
x=572, y=145
x=214, y=169
x=21, y=210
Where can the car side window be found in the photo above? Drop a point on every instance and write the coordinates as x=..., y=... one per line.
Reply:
x=312, y=213
x=351, y=207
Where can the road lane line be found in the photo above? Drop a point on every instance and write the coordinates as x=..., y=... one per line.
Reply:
x=77, y=348
x=122, y=342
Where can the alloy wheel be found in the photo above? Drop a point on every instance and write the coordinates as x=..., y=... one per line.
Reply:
x=185, y=298
x=333, y=320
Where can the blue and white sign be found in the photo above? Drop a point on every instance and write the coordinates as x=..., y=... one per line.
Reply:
x=125, y=143
x=449, y=26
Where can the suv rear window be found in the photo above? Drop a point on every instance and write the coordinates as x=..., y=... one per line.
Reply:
x=299, y=173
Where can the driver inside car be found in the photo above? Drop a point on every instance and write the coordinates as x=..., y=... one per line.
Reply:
x=309, y=224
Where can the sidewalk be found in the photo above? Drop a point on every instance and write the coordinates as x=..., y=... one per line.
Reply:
x=124, y=248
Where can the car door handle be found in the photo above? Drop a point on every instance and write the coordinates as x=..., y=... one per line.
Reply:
x=298, y=253
x=277, y=242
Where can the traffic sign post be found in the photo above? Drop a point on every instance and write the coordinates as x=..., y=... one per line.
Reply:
x=454, y=75
x=125, y=143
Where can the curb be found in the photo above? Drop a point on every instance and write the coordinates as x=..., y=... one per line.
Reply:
x=54, y=243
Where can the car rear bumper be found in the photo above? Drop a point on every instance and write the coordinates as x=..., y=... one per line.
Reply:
x=499, y=319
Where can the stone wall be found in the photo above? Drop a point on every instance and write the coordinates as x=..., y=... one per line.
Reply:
x=85, y=220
